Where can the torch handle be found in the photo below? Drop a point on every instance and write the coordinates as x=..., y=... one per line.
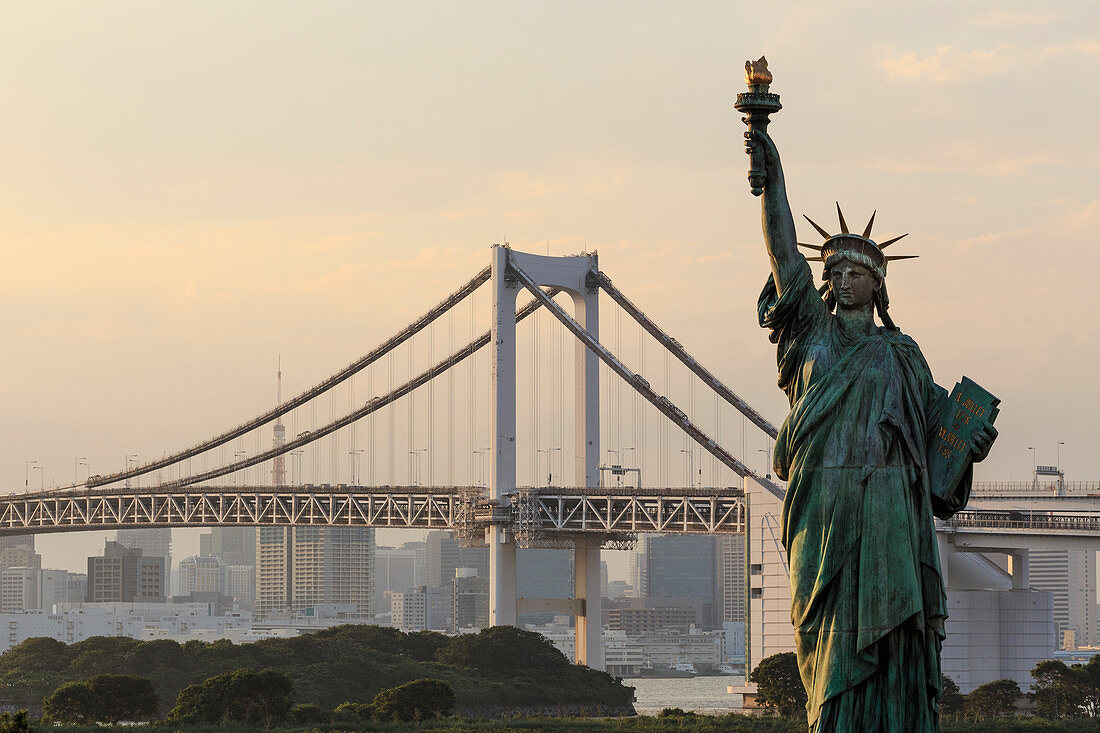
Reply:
x=757, y=169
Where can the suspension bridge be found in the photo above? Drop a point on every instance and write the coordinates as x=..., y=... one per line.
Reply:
x=670, y=458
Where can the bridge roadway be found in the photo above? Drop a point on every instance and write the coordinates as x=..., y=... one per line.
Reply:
x=533, y=512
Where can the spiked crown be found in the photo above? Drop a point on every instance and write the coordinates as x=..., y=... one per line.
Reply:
x=858, y=248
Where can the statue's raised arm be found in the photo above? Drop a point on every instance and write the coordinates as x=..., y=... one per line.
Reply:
x=779, y=234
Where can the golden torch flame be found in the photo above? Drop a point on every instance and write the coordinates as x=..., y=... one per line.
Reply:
x=756, y=72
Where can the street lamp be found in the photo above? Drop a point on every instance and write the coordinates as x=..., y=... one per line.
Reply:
x=77, y=462
x=134, y=456
x=1034, y=468
x=355, y=456
x=416, y=452
x=548, y=452
x=42, y=477
x=297, y=455
x=481, y=464
x=767, y=457
x=1059, y=462
x=27, y=477
x=691, y=466
x=236, y=457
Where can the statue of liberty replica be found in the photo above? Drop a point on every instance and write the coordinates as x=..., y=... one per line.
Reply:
x=871, y=451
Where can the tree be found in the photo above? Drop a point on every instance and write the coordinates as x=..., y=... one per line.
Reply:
x=504, y=649
x=993, y=699
x=242, y=695
x=1057, y=692
x=779, y=685
x=951, y=702
x=105, y=698
x=70, y=703
x=416, y=700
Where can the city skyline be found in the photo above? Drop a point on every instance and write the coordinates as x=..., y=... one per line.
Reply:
x=245, y=182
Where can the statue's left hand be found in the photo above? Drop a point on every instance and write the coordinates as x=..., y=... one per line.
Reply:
x=982, y=441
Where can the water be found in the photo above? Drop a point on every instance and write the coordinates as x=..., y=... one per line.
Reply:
x=700, y=694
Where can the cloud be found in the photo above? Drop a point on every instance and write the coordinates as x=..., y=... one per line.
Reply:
x=947, y=64
x=1001, y=18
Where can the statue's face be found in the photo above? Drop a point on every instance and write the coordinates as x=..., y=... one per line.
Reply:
x=852, y=285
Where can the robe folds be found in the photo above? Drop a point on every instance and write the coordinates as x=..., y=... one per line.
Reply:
x=868, y=602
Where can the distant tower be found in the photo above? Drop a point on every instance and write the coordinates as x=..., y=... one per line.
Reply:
x=275, y=545
x=278, y=465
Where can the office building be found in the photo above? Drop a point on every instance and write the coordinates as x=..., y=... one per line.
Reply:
x=1070, y=577
x=53, y=588
x=232, y=545
x=469, y=601
x=679, y=566
x=78, y=588
x=125, y=574
x=398, y=570
x=19, y=589
x=240, y=584
x=731, y=576
x=420, y=609
x=201, y=575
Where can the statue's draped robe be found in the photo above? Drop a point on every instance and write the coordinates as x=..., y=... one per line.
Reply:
x=868, y=603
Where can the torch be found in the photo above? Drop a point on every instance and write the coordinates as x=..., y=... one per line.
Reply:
x=757, y=103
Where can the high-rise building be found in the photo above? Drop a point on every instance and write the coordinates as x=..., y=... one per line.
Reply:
x=19, y=589
x=469, y=600
x=1070, y=577
x=20, y=557
x=125, y=574
x=274, y=565
x=240, y=584
x=332, y=565
x=201, y=575
x=419, y=609
x=53, y=588
x=17, y=540
x=154, y=542
x=233, y=545
x=397, y=570
x=679, y=566
x=78, y=588
x=731, y=575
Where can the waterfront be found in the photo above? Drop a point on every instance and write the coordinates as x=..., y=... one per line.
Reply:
x=700, y=694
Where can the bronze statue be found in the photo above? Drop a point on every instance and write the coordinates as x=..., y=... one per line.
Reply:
x=868, y=601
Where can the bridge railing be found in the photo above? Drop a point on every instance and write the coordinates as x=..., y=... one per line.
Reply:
x=1032, y=488
x=1025, y=521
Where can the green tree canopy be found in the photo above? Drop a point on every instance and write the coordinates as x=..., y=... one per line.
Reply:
x=504, y=649
x=105, y=698
x=242, y=695
x=779, y=685
x=993, y=699
x=951, y=702
x=416, y=700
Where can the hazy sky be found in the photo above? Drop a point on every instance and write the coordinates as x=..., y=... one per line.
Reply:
x=187, y=190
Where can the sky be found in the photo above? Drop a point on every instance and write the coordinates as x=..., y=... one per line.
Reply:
x=189, y=190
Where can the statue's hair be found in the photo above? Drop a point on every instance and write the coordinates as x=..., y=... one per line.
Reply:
x=881, y=299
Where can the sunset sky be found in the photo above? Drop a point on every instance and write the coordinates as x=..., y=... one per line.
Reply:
x=188, y=190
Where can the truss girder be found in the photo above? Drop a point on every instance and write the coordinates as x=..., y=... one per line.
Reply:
x=548, y=513
x=424, y=509
x=612, y=514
